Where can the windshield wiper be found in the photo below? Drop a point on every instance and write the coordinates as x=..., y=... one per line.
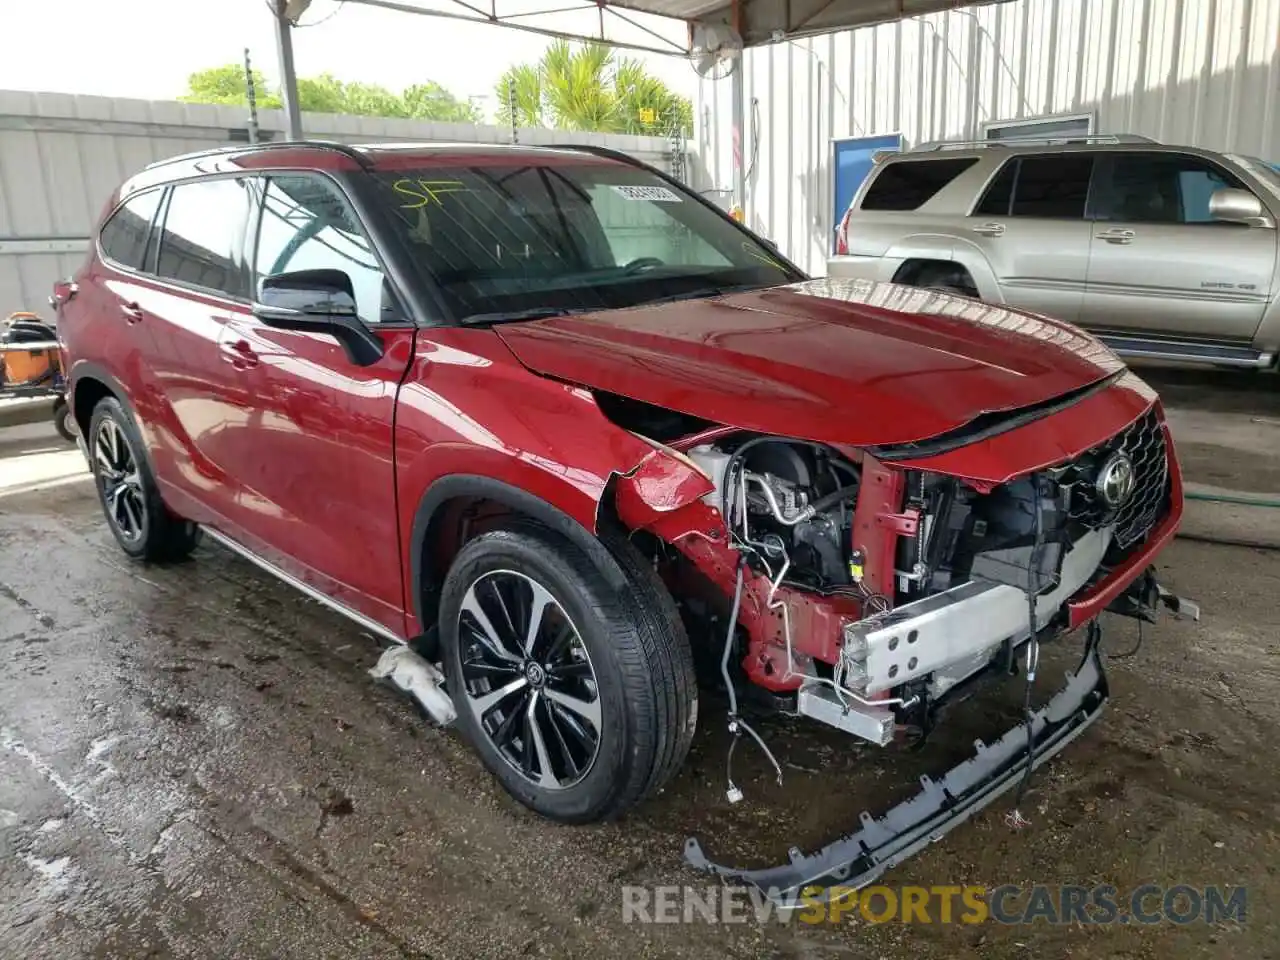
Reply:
x=510, y=316
x=703, y=292
x=544, y=313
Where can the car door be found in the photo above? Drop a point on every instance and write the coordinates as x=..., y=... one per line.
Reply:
x=195, y=412
x=323, y=472
x=1160, y=264
x=1031, y=226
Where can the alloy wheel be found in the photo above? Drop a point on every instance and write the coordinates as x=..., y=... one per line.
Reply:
x=528, y=679
x=119, y=481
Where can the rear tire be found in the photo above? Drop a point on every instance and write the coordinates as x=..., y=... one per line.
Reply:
x=138, y=518
x=64, y=420
x=601, y=703
x=948, y=279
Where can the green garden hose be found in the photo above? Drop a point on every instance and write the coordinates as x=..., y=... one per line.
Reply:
x=1248, y=501
x=1234, y=499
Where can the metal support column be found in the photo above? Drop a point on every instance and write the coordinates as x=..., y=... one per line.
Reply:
x=738, y=106
x=288, y=75
x=737, y=98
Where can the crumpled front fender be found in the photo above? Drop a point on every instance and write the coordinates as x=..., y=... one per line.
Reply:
x=663, y=495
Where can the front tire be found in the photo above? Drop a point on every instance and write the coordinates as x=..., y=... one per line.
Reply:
x=577, y=696
x=138, y=518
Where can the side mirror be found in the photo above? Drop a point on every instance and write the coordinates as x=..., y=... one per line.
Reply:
x=317, y=301
x=1230, y=205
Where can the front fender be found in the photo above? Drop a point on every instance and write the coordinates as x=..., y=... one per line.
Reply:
x=426, y=575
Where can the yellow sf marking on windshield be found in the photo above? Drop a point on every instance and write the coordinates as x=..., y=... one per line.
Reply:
x=426, y=192
x=755, y=254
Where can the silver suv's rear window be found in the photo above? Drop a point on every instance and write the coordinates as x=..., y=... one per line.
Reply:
x=909, y=184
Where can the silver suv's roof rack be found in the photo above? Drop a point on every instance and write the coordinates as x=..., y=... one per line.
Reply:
x=1032, y=141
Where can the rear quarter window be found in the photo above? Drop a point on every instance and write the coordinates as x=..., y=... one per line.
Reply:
x=909, y=184
x=124, y=236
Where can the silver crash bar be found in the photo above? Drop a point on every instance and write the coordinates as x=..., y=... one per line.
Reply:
x=952, y=634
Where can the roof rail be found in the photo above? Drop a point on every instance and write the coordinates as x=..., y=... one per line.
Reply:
x=608, y=152
x=1032, y=141
x=343, y=148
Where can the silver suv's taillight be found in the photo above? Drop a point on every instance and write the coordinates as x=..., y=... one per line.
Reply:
x=842, y=234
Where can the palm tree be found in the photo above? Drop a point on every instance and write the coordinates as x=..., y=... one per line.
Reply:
x=520, y=92
x=589, y=88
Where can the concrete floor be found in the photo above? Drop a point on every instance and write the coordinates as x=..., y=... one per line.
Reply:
x=193, y=763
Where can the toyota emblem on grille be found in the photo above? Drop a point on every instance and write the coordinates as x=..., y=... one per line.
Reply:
x=1116, y=480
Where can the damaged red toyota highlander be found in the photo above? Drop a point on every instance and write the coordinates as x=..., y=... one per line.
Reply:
x=548, y=418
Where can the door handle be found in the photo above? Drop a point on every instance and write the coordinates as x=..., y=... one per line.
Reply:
x=1116, y=236
x=990, y=229
x=239, y=354
x=132, y=312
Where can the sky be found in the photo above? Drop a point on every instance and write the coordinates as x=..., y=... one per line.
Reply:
x=148, y=48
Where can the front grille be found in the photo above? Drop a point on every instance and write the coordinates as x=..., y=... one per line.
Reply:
x=1144, y=442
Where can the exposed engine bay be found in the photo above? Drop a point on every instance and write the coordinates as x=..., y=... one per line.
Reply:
x=858, y=589
x=925, y=584
x=787, y=502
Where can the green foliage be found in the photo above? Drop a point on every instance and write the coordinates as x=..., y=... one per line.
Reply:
x=430, y=101
x=226, y=85
x=589, y=88
x=327, y=94
x=520, y=91
x=322, y=94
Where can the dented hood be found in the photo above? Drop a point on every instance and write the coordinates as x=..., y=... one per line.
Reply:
x=835, y=361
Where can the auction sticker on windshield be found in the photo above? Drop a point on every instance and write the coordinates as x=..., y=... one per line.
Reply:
x=656, y=194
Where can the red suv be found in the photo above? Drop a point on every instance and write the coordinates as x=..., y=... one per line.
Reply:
x=552, y=420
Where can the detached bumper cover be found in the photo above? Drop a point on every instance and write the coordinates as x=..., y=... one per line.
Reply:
x=860, y=858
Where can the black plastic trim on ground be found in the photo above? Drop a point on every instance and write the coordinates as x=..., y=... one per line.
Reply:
x=860, y=858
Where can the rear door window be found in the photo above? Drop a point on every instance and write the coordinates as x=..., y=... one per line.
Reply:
x=124, y=236
x=204, y=226
x=909, y=184
x=1052, y=186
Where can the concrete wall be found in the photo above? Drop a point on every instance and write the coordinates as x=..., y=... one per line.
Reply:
x=1198, y=72
x=61, y=156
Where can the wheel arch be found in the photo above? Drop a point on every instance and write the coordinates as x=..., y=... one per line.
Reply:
x=917, y=252
x=439, y=505
x=89, y=384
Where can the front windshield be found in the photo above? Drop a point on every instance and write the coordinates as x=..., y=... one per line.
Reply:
x=509, y=238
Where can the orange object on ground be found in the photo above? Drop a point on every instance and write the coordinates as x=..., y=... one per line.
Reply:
x=20, y=368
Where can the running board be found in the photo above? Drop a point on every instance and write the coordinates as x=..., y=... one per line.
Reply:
x=337, y=606
x=1181, y=351
x=398, y=664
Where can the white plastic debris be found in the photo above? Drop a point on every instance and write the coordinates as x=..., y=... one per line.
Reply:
x=418, y=678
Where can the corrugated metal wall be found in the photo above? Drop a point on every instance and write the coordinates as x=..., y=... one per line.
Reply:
x=1198, y=72
x=61, y=156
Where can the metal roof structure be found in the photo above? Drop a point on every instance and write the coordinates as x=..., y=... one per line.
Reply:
x=672, y=27
x=665, y=26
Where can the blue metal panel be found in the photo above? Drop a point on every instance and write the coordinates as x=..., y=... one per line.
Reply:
x=851, y=161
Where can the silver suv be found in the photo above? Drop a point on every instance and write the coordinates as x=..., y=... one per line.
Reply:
x=1168, y=253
